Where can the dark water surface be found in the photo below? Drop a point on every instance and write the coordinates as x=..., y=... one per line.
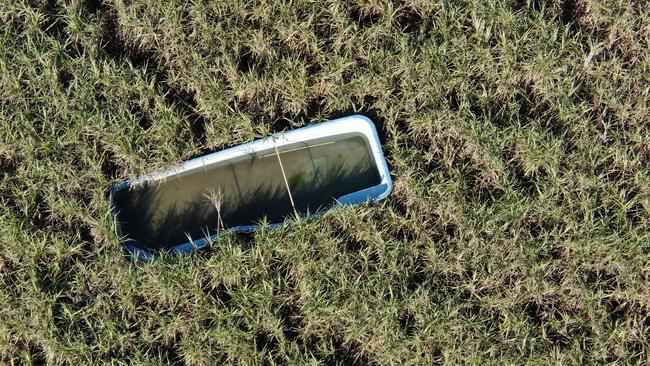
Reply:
x=164, y=213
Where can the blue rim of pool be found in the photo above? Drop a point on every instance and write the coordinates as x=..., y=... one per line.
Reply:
x=357, y=124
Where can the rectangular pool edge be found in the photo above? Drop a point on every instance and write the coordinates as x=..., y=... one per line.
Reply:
x=330, y=129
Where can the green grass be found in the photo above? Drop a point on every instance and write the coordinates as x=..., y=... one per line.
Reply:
x=517, y=135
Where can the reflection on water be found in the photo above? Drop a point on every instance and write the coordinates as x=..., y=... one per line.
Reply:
x=243, y=191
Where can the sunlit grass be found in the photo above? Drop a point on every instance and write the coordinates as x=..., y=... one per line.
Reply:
x=517, y=136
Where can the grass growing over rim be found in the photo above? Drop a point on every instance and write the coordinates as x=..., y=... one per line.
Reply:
x=517, y=135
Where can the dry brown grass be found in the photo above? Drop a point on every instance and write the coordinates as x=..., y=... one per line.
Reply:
x=517, y=135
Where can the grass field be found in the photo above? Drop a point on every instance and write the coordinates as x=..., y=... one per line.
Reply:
x=516, y=131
